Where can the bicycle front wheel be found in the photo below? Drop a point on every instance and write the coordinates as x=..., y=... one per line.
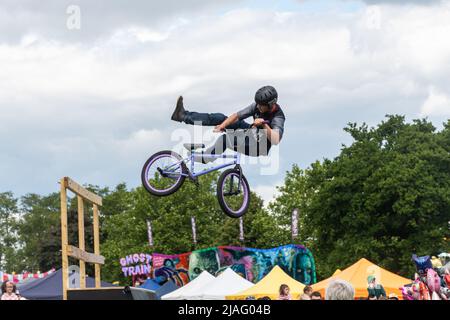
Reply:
x=233, y=193
x=163, y=173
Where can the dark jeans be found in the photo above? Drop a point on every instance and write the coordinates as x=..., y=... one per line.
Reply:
x=227, y=141
x=213, y=119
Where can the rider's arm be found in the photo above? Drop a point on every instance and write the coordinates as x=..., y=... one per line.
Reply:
x=273, y=135
x=229, y=121
x=274, y=130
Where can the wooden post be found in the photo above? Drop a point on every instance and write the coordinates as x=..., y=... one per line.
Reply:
x=81, y=239
x=96, y=245
x=64, y=239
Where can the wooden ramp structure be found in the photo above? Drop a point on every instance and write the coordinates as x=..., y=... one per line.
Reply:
x=79, y=253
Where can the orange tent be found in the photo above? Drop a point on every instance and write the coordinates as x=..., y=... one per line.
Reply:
x=336, y=272
x=357, y=275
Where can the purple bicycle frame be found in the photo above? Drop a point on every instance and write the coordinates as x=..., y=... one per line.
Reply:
x=236, y=156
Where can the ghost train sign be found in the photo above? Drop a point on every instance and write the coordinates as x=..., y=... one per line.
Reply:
x=136, y=264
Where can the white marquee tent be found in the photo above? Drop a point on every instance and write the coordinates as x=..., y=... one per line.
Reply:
x=227, y=283
x=191, y=288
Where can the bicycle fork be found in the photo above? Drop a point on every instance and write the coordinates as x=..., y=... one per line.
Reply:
x=239, y=168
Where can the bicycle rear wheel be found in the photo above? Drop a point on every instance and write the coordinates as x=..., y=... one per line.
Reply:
x=163, y=173
x=233, y=196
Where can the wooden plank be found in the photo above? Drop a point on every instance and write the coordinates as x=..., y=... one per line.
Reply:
x=64, y=240
x=79, y=254
x=79, y=190
x=81, y=238
x=96, y=226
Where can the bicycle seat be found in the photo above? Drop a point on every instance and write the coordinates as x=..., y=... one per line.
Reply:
x=193, y=146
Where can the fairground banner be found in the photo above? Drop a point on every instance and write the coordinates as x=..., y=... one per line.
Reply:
x=253, y=264
x=17, y=278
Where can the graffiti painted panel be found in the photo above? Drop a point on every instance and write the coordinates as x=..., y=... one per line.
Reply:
x=200, y=260
x=253, y=264
x=171, y=267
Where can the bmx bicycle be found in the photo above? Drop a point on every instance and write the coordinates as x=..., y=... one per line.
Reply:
x=164, y=173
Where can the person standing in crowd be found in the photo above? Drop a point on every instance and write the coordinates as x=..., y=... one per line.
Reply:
x=284, y=292
x=316, y=295
x=374, y=288
x=306, y=293
x=339, y=290
x=9, y=291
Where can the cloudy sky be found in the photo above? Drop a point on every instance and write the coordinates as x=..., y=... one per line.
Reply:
x=92, y=98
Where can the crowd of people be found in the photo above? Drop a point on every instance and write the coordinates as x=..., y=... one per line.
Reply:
x=339, y=290
x=432, y=282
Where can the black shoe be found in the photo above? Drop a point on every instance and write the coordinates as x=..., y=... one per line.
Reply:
x=179, y=113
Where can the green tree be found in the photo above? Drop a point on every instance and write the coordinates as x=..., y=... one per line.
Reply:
x=39, y=232
x=8, y=232
x=384, y=197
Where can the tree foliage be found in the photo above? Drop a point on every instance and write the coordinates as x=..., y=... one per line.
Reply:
x=8, y=226
x=384, y=197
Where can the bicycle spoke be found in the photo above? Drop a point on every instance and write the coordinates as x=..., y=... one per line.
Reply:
x=163, y=172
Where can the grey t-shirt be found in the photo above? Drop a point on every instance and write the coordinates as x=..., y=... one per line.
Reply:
x=276, y=118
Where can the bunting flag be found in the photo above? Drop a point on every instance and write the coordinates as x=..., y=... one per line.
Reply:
x=194, y=231
x=17, y=278
x=294, y=226
x=149, y=232
x=241, y=229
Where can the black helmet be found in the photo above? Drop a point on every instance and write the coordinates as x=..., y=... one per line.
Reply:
x=266, y=96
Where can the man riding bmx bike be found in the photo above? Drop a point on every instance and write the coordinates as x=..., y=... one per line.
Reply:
x=266, y=130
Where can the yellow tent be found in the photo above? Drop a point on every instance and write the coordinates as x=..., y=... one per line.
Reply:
x=270, y=285
x=357, y=275
x=336, y=272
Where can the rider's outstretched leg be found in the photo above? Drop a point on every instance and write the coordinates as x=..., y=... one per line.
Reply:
x=212, y=119
x=204, y=119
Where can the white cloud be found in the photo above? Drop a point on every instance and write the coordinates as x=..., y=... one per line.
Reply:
x=96, y=108
x=98, y=19
x=139, y=142
x=437, y=104
x=267, y=192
